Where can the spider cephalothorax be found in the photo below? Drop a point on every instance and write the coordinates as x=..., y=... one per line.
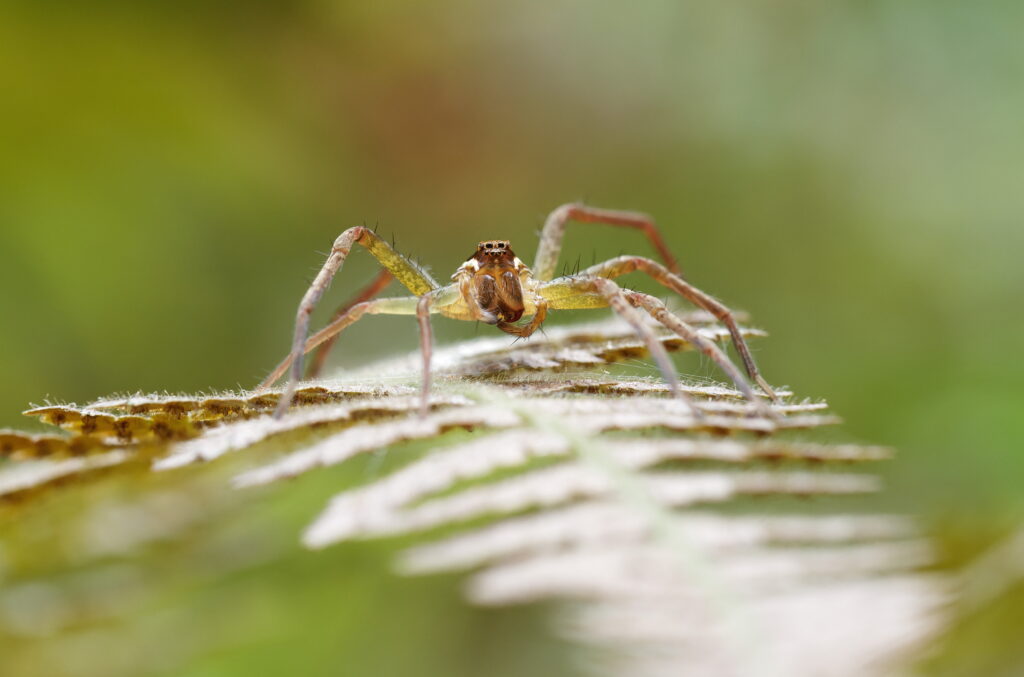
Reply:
x=495, y=287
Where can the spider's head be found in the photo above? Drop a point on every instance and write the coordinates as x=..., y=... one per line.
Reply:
x=494, y=248
x=494, y=253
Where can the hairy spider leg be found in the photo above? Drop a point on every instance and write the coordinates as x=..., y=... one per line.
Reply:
x=623, y=265
x=578, y=292
x=415, y=279
x=426, y=349
x=403, y=305
x=660, y=313
x=368, y=292
x=421, y=306
x=551, y=236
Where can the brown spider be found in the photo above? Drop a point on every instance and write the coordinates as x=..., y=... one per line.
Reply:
x=495, y=287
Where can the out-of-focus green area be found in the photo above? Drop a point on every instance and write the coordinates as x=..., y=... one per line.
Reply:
x=849, y=172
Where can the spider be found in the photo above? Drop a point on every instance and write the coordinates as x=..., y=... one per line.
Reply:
x=495, y=287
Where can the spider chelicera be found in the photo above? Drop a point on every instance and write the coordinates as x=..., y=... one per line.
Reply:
x=495, y=287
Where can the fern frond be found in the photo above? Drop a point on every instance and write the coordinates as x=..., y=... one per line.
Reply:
x=568, y=481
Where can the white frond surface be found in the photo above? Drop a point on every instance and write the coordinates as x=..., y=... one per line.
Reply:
x=35, y=474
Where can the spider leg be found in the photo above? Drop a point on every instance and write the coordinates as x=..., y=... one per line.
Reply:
x=417, y=280
x=405, y=305
x=554, y=230
x=627, y=264
x=371, y=290
x=659, y=312
x=426, y=349
x=421, y=306
x=599, y=292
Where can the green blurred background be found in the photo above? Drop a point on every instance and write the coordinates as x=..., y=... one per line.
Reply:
x=850, y=172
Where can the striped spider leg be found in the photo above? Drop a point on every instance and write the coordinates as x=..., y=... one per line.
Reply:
x=667, y=275
x=367, y=293
x=626, y=264
x=413, y=277
x=587, y=291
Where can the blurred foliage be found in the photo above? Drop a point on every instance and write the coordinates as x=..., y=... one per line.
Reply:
x=847, y=171
x=177, y=574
